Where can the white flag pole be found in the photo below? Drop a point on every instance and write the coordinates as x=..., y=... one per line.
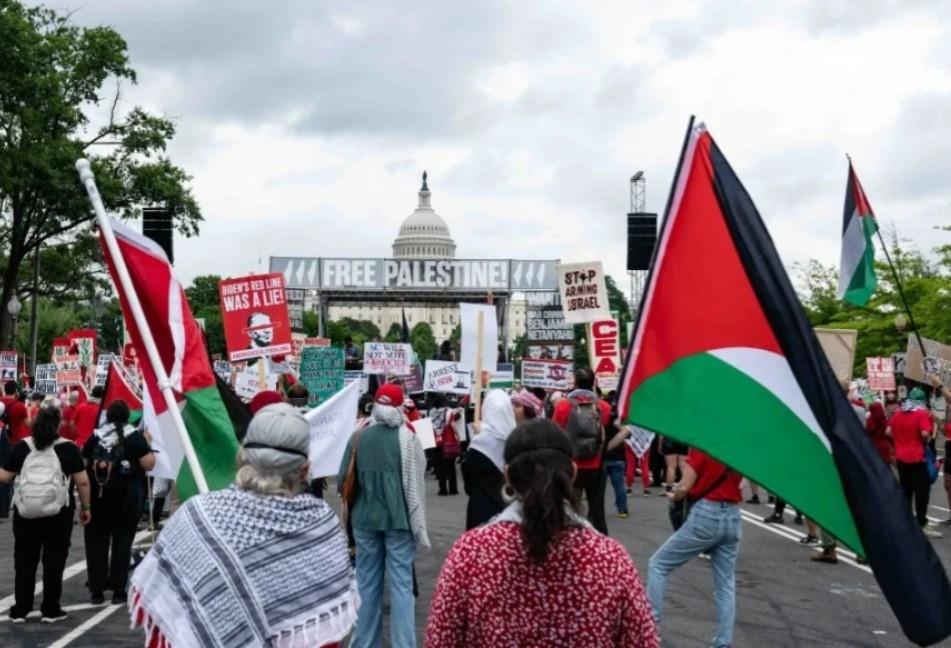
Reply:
x=89, y=181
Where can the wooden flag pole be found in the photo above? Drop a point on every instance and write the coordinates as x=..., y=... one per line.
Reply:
x=480, y=329
x=151, y=350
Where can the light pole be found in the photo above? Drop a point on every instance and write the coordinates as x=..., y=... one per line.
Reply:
x=13, y=308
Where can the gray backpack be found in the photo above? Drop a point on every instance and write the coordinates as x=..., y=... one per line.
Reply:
x=42, y=488
x=584, y=428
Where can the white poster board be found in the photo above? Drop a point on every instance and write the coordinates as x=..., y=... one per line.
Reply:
x=331, y=425
x=447, y=377
x=424, y=432
x=469, y=319
x=584, y=294
x=387, y=358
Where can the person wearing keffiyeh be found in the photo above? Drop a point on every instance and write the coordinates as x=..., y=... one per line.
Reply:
x=261, y=563
x=911, y=428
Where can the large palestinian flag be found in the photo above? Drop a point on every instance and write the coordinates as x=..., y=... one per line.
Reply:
x=857, y=263
x=724, y=359
x=180, y=345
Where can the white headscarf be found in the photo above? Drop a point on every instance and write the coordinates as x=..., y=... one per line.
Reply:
x=498, y=421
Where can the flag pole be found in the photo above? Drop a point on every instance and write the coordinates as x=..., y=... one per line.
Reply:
x=89, y=181
x=891, y=265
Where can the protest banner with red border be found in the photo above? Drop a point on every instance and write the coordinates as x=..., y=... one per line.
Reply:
x=388, y=358
x=60, y=348
x=880, y=373
x=254, y=315
x=298, y=344
x=82, y=342
x=547, y=374
x=68, y=371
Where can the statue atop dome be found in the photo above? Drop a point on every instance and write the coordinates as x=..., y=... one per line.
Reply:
x=424, y=234
x=425, y=188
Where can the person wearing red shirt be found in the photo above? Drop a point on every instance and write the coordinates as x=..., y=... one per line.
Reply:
x=591, y=478
x=17, y=415
x=67, y=428
x=713, y=527
x=910, y=428
x=875, y=426
x=86, y=416
x=538, y=574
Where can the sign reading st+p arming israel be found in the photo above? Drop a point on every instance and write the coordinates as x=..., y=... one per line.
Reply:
x=444, y=275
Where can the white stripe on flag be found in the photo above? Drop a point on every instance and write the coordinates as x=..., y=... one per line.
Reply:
x=166, y=444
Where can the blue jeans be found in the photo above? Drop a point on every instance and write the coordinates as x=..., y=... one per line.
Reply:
x=615, y=470
x=395, y=551
x=712, y=527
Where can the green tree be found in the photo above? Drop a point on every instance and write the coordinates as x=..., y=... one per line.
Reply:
x=617, y=303
x=55, y=78
x=394, y=334
x=311, y=324
x=203, y=293
x=53, y=322
x=423, y=341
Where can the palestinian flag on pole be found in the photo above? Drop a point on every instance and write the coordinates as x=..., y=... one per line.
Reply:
x=857, y=264
x=722, y=330
x=118, y=388
x=181, y=346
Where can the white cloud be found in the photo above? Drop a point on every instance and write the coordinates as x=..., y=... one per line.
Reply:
x=306, y=127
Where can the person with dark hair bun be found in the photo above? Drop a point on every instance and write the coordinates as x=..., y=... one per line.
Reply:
x=43, y=512
x=539, y=574
x=117, y=457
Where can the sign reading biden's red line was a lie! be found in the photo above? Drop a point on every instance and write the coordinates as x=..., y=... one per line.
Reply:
x=584, y=295
x=255, y=317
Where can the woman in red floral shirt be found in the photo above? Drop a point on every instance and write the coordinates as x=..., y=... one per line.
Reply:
x=539, y=574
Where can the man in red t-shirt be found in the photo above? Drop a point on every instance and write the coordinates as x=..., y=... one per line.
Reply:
x=713, y=527
x=590, y=479
x=85, y=418
x=17, y=415
x=911, y=428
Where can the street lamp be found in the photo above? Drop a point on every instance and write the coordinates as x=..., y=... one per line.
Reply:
x=901, y=322
x=13, y=308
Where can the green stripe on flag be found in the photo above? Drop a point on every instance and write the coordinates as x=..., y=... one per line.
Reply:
x=212, y=435
x=705, y=402
x=863, y=281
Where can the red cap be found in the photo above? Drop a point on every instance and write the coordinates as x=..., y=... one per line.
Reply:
x=389, y=394
x=263, y=399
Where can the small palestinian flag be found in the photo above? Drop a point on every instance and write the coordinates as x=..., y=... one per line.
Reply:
x=724, y=359
x=118, y=388
x=857, y=264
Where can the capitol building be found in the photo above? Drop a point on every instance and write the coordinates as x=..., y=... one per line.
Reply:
x=424, y=235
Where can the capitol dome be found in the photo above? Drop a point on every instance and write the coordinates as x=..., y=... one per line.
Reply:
x=424, y=234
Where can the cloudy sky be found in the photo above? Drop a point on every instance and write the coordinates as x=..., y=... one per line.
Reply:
x=306, y=124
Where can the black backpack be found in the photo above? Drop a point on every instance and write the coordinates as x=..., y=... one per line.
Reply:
x=584, y=428
x=110, y=469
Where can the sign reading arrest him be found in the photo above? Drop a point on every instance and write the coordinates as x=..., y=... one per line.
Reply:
x=255, y=317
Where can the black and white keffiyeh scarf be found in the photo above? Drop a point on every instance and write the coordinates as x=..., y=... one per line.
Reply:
x=233, y=569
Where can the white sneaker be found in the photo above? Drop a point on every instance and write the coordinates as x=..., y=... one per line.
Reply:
x=931, y=533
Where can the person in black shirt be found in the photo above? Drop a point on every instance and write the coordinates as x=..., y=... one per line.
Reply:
x=117, y=456
x=44, y=536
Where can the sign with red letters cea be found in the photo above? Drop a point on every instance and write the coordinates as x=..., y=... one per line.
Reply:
x=604, y=346
x=255, y=317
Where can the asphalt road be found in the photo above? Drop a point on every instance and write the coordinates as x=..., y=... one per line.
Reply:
x=784, y=599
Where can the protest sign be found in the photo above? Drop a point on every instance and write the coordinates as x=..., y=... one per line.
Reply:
x=504, y=376
x=254, y=315
x=321, y=372
x=839, y=347
x=46, y=379
x=548, y=336
x=389, y=358
x=584, y=295
x=129, y=357
x=547, y=374
x=295, y=308
x=60, y=348
x=8, y=365
x=102, y=368
x=223, y=369
x=247, y=382
x=447, y=377
x=936, y=361
x=880, y=373
x=424, y=432
x=298, y=344
x=470, y=344
x=350, y=377
x=331, y=424
x=608, y=382
x=68, y=371
x=83, y=343
x=640, y=440
x=413, y=381
x=604, y=346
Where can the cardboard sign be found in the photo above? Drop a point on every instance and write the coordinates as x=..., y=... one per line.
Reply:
x=547, y=374
x=881, y=373
x=68, y=371
x=584, y=295
x=604, y=346
x=331, y=425
x=321, y=371
x=447, y=377
x=387, y=358
x=469, y=344
x=254, y=315
x=936, y=361
x=839, y=347
x=8, y=365
x=46, y=379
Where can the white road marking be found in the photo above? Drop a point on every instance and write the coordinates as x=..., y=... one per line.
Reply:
x=69, y=572
x=85, y=627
